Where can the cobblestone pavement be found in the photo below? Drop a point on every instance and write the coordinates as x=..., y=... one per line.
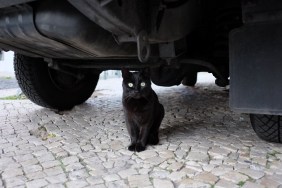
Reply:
x=202, y=144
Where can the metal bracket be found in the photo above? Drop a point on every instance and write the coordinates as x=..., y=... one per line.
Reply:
x=143, y=47
x=54, y=65
x=261, y=11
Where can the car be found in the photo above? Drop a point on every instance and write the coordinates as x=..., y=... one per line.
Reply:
x=61, y=47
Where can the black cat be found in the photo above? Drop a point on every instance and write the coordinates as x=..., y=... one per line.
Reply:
x=143, y=112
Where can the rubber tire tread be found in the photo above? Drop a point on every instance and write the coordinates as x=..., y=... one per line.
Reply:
x=35, y=82
x=267, y=127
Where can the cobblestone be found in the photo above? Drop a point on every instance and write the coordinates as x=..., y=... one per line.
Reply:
x=36, y=183
x=202, y=144
x=158, y=183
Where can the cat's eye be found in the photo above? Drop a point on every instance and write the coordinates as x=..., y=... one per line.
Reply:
x=130, y=84
x=143, y=84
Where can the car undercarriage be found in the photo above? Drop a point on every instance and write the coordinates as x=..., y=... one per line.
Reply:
x=62, y=46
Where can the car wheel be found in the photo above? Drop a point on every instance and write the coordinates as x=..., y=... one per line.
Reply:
x=267, y=127
x=190, y=79
x=51, y=88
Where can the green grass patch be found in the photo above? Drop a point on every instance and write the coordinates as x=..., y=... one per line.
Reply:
x=51, y=135
x=14, y=97
x=241, y=183
x=273, y=153
x=6, y=78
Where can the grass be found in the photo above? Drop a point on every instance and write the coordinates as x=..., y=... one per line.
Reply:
x=14, y=97
x=241, y=183
x=6, y=78
x=272, y=154
x=51, y=135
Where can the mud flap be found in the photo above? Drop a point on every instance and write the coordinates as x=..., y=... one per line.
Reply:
x=256, y=69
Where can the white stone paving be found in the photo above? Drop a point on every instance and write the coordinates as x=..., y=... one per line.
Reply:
x=202, y=144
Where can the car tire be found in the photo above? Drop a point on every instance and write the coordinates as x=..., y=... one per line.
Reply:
x=267, y=127
x=190, y=79
x=53, y=89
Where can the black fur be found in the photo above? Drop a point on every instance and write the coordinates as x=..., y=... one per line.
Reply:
x=143, y=112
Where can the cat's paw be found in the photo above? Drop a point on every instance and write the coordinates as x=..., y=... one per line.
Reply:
x=132, y=147
x=139, y=147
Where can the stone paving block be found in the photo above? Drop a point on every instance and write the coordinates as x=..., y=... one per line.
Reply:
x=71, y=149
x=9, y=173
x=94, y=180
x=190, y=183
x=35, y=175
x=139, y=180
x=166, y=154
x=50, y=164
x=206, y=178
x=60, y=178
x=97, y=172
x=15, y=181
x=254, y=174
x=69, y=160
x=55, y=186
x=224, y=184
x=21, y=158
x=97, y=186
x=76, y=184
x=269, y=182
x=159, y=173
x=235, y=177
x=218, y=153
x=154, y=161
x=46, y=157
x=111, y=177
x=115, y=184
x=78, y=174
x=4, y=161
x=36, y=183
x=222, y=169
x=32, y=168
x=147, y=154
x=54, y=171
x=249, y=184
x=53, y=145
x=197, y=156
x=33, y=161
x=160, y=183
x=74, y=167
x=127, y=172
x=175, y=166
x=40, y=152
x=177, y=176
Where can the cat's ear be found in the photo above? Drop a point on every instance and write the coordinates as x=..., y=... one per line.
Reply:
x=125, y=73
x=146, y=72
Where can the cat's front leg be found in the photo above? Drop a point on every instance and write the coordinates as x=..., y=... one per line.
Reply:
x=133, y=132
x=143, y=138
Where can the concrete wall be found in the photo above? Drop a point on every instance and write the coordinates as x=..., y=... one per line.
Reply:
x=6, y=64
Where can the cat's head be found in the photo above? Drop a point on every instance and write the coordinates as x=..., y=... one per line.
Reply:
x=136, y=84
